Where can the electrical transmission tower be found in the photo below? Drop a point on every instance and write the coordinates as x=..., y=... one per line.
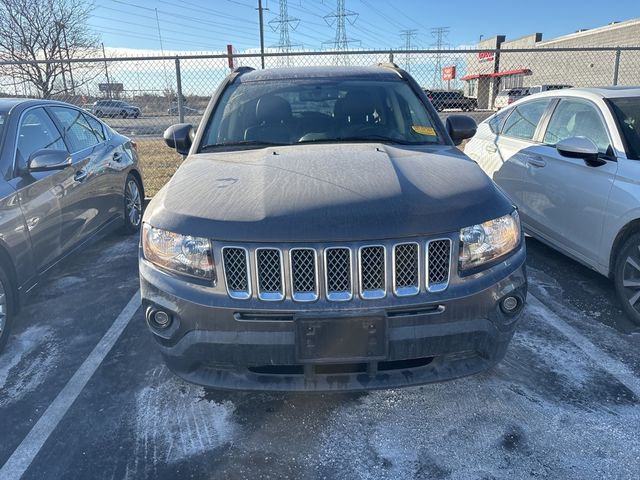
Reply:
x=408, y=35
x=340, y=19
x=282, y=23
x=440, y=35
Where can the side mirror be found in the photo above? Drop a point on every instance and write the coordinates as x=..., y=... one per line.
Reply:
x=45, y=160
x=461, y=127
x=580, y=147
x=180, y=136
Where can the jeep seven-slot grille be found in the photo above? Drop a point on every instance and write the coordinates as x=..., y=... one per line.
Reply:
x=372, y=272
x=269, y=268
x=438, y=255
x=407, y=270
x=303, y=274
x=338, y=273
x=235, y=263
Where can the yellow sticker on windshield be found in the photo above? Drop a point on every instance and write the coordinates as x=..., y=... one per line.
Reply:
x=424, y=130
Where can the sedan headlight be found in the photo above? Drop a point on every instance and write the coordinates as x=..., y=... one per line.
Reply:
x=489, y=241
x=178, y=253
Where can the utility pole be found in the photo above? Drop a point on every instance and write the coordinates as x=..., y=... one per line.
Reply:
x=408, y=35
x=64, y=78
x=261, y=20
x=106, y=71
x=341, y=41
x=440, y=35
x=66, y=47
x=282, y=22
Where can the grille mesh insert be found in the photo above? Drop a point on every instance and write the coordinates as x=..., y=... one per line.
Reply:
x=269, y=270
x=406, y=265
x=235, y=268
x=439, y=253
x=303, y=269
x=372, y=268
x=338, y=270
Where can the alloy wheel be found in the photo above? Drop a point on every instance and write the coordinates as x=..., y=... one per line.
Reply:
x=631, y=278
x=133, y=203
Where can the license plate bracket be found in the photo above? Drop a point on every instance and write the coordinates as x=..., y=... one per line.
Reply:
x=341, y=339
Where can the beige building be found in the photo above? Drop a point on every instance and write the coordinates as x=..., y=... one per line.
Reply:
x=498, y=68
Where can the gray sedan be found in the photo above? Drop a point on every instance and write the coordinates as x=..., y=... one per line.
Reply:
x=66, y=178
x=570, y=160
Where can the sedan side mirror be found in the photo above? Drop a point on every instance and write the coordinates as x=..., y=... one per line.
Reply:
x=180, y=136
x=580, y=147
x=461, y=127
x=45, y=160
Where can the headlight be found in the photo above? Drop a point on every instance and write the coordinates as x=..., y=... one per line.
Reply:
x=488, y=241
x=182, y=254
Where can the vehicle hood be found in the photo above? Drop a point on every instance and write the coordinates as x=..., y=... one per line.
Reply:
x=326, y=192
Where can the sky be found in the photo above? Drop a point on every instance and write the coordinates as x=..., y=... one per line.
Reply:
x=208, y=26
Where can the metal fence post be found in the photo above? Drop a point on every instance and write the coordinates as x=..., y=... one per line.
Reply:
x=179, y=92
x=616, y=67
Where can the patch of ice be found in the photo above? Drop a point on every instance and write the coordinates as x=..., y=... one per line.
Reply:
x=26, y=363
x=173, y=422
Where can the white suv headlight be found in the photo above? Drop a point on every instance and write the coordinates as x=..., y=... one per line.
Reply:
x=480, y=244
x=178, y=253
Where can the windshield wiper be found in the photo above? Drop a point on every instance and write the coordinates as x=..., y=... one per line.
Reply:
x=242, y=143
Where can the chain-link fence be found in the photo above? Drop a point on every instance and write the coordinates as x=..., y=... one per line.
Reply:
x=140, y=97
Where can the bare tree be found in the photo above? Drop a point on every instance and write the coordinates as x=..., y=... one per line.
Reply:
x=52, y=30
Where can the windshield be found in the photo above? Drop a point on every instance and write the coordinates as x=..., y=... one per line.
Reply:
x=627, y=112
x=287, y=112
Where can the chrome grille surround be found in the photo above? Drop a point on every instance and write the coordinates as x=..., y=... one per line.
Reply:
x=372, y=271
x=303, y=274
x=235, y=265
x=270, y=274
x=406, y=269
x=438, y=263
x=337, y=274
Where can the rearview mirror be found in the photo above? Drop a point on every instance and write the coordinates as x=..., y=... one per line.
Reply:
x=45, y=160
x=461, y=127
x=180, y=136
x=580, y=147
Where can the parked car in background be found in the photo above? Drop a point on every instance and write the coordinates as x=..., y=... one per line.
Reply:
x=115, y=108
x=173, y=110
x=545, y=88
x=507, y=97
x=67, y=178
x=325, y=233
x=570, y=160
x=442, y=100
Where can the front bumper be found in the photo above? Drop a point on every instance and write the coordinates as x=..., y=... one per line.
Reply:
x=218, y=342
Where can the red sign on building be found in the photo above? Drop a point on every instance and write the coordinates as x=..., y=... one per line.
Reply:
x=486, y=56
x=449, y=73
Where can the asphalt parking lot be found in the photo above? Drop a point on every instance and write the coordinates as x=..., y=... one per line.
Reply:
x=80, y=400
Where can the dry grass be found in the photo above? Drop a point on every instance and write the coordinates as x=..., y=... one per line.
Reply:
x=158, y=163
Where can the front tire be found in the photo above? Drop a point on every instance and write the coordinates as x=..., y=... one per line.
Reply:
x=133, y=205
x=6, y=307
x=626, y=277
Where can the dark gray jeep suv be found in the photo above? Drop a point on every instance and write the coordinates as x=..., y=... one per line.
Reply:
x=326, y=234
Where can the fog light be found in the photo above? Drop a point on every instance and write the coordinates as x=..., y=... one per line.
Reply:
x=159, y=319
x=510, y=304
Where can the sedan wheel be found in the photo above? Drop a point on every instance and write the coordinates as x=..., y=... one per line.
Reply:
x=6, y=294
x=132, y=204
x=627, y=277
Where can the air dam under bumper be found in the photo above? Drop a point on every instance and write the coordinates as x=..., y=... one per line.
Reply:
x=429, y=339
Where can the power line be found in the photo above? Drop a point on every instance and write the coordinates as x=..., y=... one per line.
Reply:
x=408, y=35
x=439, y=34
x=340, y=19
